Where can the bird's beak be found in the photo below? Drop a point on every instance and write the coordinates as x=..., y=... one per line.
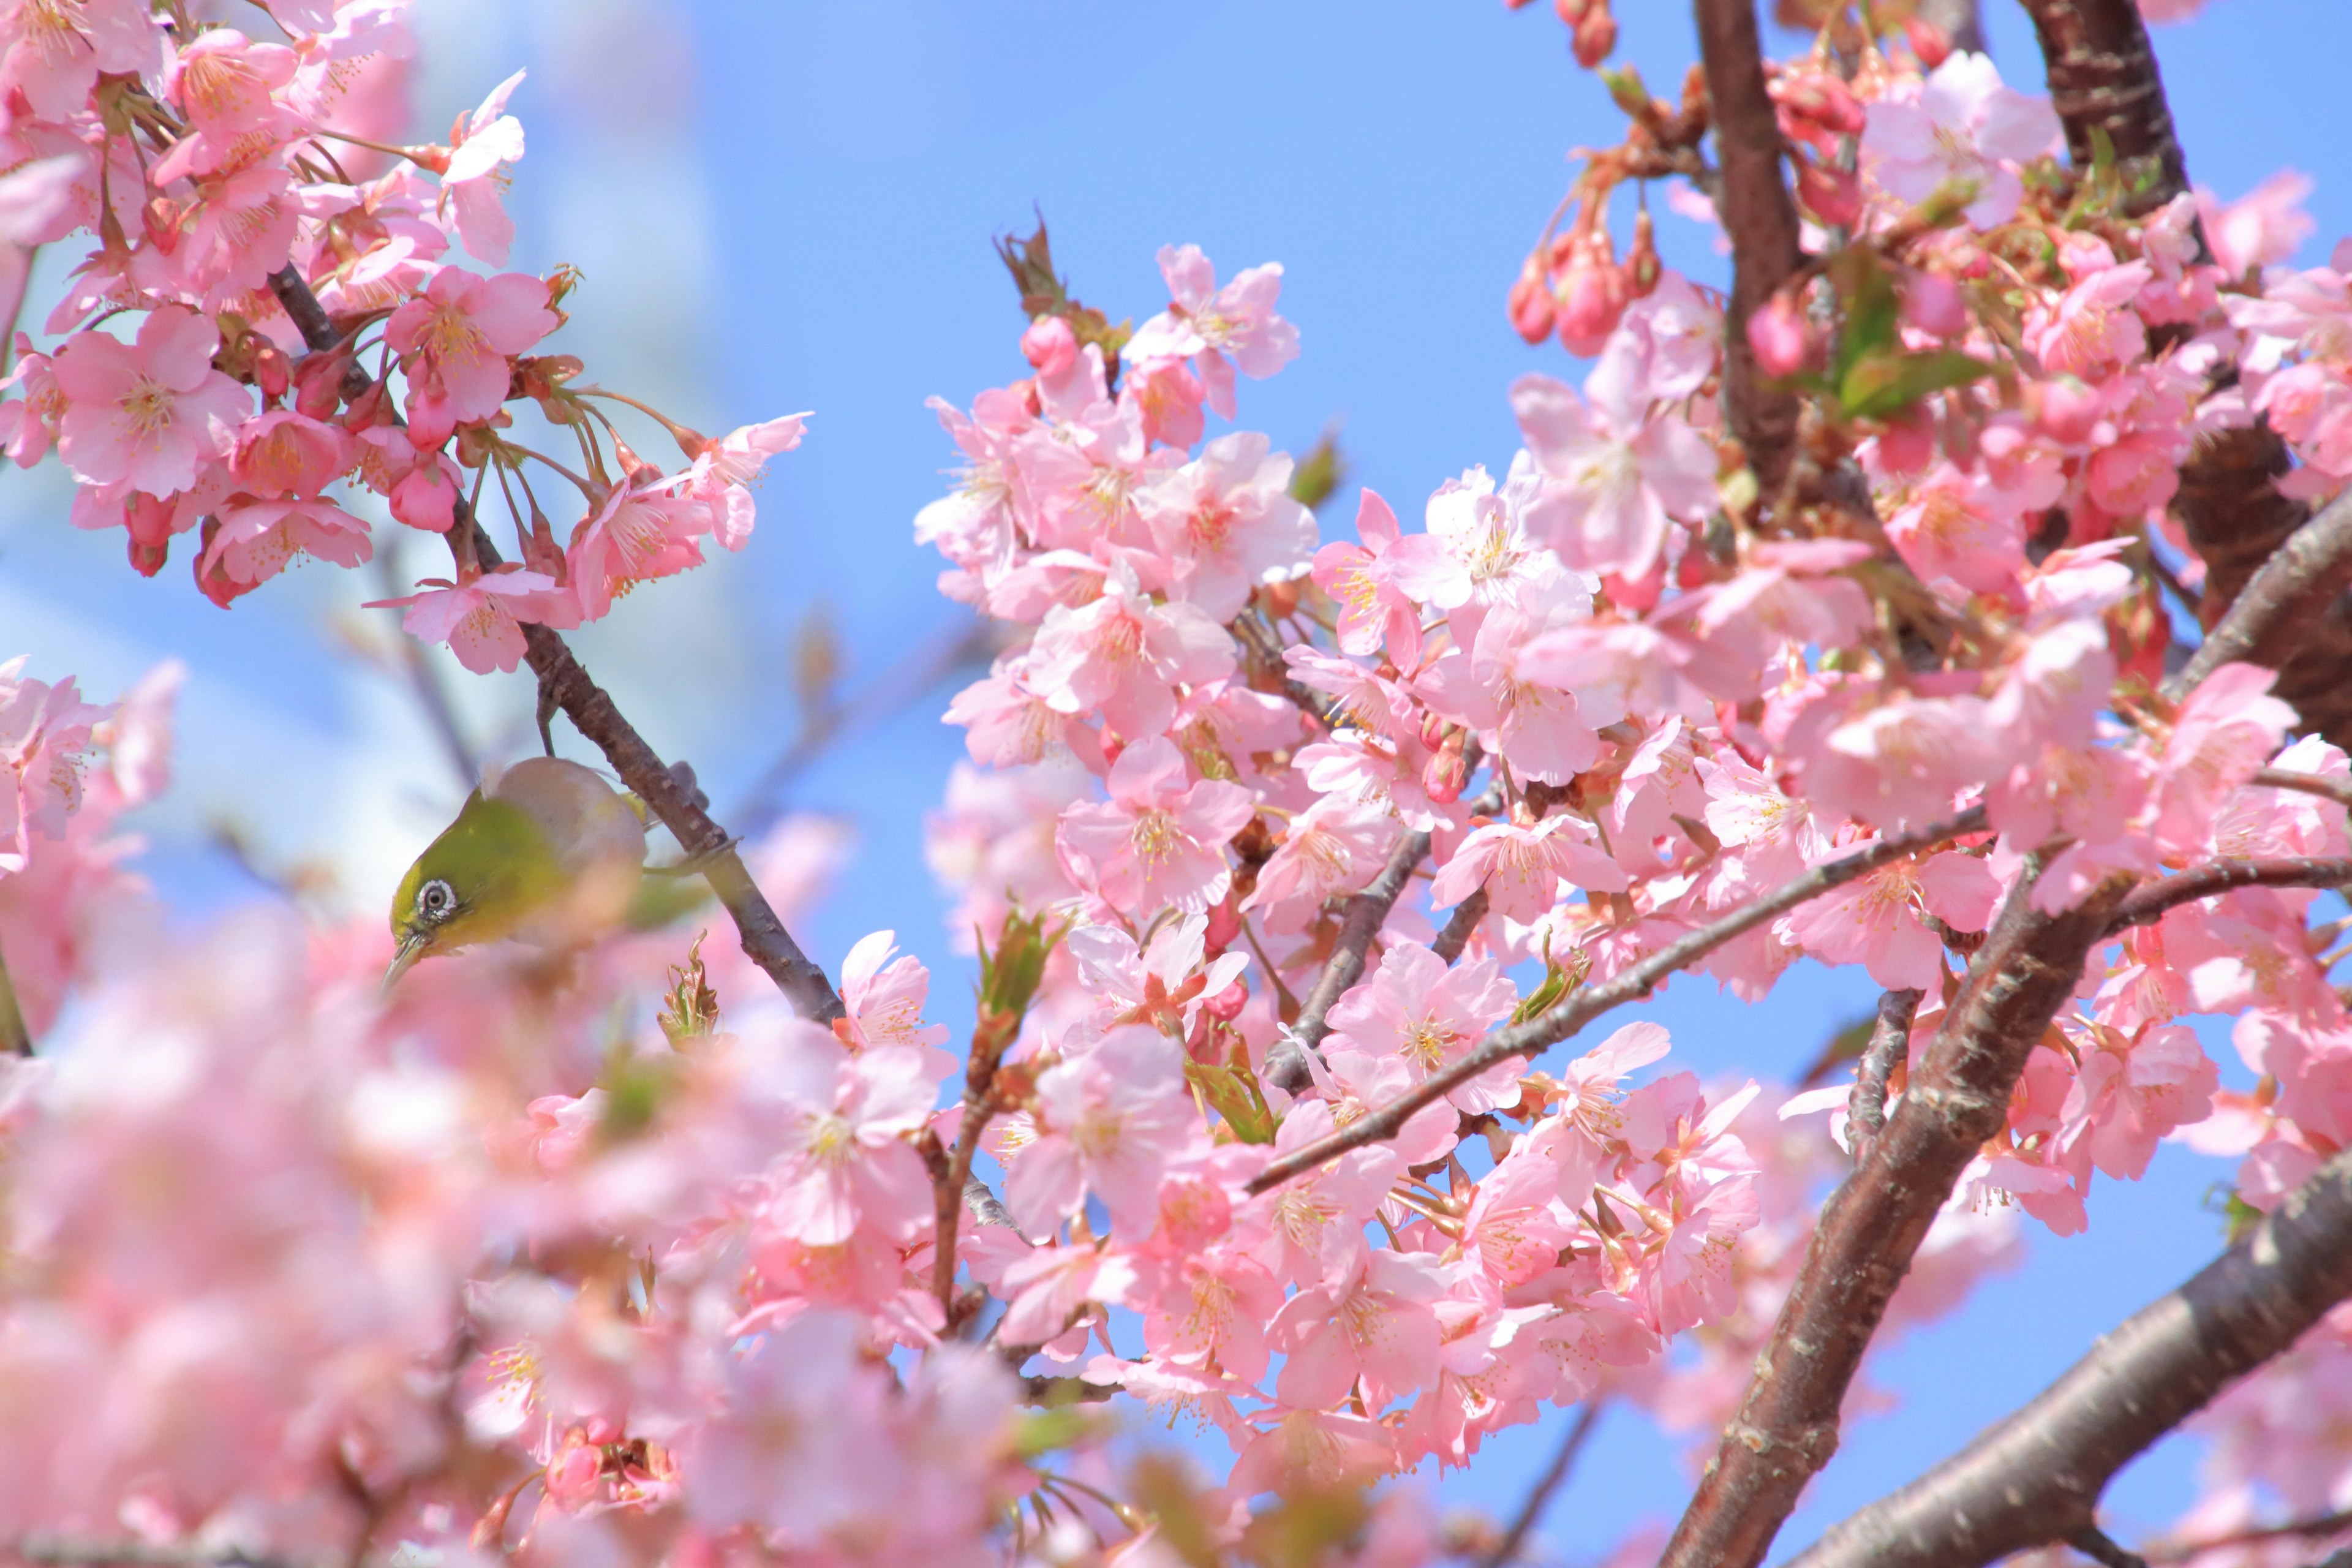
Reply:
x=412, y=948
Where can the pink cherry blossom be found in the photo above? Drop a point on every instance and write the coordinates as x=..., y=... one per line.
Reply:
x=1614, y=471
x=1159, y=840
x=1874, y=921
x=1108, y=1121
x=473, y=183
x=1377, y=583
x=1122, y=655
x=1374, y=1322
x=146, y=413
x=1416, y=1008
x=481, y=618
x=1228, y=522
x=884, y=995
x=843, y=1127
x=1207, y=324
x=1964, y=125
x=724, y=472
x=45, y=741
x=1522, y=865
x=456, y=339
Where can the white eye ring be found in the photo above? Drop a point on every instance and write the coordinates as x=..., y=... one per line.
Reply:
x=436, y=900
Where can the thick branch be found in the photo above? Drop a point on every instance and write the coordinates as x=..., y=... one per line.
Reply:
x=2272, y=617
x=592, y=713
x=2146, y=904
x=1465, y=921
x=1761, y=221
x=2102, y=78
x=2037, y=1476
x=1786, y=1428
x=1580, y=1007
x=1367, y=912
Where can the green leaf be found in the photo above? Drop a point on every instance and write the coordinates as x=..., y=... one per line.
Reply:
x=1235, y=1093
x=1883, y=383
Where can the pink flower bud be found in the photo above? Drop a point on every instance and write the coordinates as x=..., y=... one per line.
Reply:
x=1832, y=196
x=1590, y=297
x=1932, y=303
x=1049, y=345
x=1777, y=335
x=1929, y=42
x=426, y=498
x=1570, y=12
x=1596, y=35
x=1445, y=774
x=1224, y=929
x=1227, y=1005
x=1530, y=305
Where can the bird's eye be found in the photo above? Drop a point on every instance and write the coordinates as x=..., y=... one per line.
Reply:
x=435, y=900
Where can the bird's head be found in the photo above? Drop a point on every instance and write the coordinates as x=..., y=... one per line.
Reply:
x=488, y=873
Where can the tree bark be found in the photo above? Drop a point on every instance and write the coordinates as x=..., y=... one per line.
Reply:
x=2036, y=1477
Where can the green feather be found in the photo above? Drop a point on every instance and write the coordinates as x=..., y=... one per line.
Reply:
x=498, y=865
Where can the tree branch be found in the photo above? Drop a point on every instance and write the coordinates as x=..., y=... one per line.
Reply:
x=1786, y=1428
x=1456, y=934
x=1367, y=912
x=1761, y=221
x=1890, y=1042
x=2037, y=1476
x=2146, y=905
x=1580, y=1007
x=595, y=715
x=2102, y=78
x=1539, y=1496
x=2282, y=602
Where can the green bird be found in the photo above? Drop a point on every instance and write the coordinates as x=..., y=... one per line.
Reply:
x=545, y=851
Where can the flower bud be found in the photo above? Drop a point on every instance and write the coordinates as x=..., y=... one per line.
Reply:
x=272, y=371
x=1571, y=12
x=161, y=218
x=1932, y=303
x=1591, y=296
x=1596, y=35
x=1530, y=304
x=1929, y=42
x=1445, y=774
x=1832, y=196
x=1224, y=927
x=1778, y=336
x=426, y=498
x=1641, y=264
x=1227, y=1005
x=1049, y=345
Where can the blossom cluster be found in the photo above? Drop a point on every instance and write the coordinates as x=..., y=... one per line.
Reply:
x=1264, y=839
x=225, y=180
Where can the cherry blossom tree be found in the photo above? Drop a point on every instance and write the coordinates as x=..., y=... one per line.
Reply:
x=1959, y=597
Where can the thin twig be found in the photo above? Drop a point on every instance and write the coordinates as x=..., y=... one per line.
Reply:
x=1458, y=929
x=2146, y=904
x=1540, y=1498
x=2337, y=790
x=888, y=692
x=1367, y=912
x=1890, y=1042
x=2100, y=1547
x=2036, y=1477
x=1581, y=1007
x=2332, y=1523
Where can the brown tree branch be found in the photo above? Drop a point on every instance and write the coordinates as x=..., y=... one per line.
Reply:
x=1540, y=1496
x=1581, y=1007
x=1761, y=221
x=1367, y=912
x=1890, y=1042
x=1787, y=1427
x=2037, y=1476
x=2145, y=904
x=2276, y=612
x=1458, y=929
x=592, y=713
x=2103, y=79
x=2318, y=1525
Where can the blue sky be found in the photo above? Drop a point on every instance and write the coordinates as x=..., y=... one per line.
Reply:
x=788, y=206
